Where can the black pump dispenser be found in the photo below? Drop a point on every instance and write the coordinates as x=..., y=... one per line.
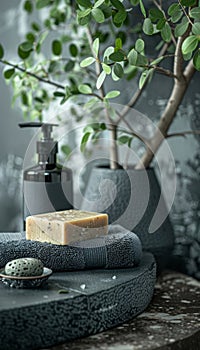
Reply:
x=47, y=148
x=47, y=186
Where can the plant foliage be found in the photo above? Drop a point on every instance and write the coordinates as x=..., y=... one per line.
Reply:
x=97, y=41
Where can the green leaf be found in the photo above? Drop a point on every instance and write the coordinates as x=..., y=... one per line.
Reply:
x=132, y=57
x=26, y=46
x=106, y=68
x=103, y=126
x=43, y=36
x=120, y=16
x=124, y=139
x=131, y=72
x=59, y=94
x=23, y=54
x=112, y=94
x=108, y=52
x=1, y=51
x=188, y=56
x=155, y=14
x=56, y=47
x=38, y=48
x=28, y=6
x=87, y=62
x=66, y=150
x=160, y=24
x=9, y=73
x=30, y=37
x=85, y=13
x=117, y=56
x=118, y=70
x=176, y=16
x=84, y=3
x=98, y=3
x=69, y=66
x=24, y=98
x=141, y=60
x=188, y=2
x=143, y=78
x=157, y=60
x=84, y=21
x=181, y=27
x=148, y=27
x=117, y=4
x=196, y=60
x=118, y=43
x=35, y=26
x=84, y=141
x=73, y=50
x=134, y=2
x=100, y=79
x=166, y=33
x=42, y=3
x=98, y=15
x=139, y=45
x=195, y=13
x=142, y=8
x=85, y=89
x=89, y=129
x=189, y=44
x=196, y=28
x=95, y=46
x=173, y=8
x=175, y=12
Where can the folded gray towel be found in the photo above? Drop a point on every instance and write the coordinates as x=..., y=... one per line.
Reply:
x=119, y=249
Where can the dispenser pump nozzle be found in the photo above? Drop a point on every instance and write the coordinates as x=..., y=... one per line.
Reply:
x=46, y=128
x=46, y=147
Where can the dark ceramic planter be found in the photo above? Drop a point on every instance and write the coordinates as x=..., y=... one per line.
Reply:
x=130, y=198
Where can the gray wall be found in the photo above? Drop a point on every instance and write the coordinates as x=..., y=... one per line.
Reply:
x=13, y=141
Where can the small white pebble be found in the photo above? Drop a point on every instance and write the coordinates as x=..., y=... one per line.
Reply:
x=114, y=277
x=83, y=286
x=151, y=337
x=185, y=301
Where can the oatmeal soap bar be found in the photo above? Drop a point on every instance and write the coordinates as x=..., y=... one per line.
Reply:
x=64, y=227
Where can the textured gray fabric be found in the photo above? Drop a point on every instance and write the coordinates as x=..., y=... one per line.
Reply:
x=120, y=248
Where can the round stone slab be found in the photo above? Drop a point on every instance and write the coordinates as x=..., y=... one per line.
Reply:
x=74, y=305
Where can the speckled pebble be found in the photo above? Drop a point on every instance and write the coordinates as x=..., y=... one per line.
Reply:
x=24, y=267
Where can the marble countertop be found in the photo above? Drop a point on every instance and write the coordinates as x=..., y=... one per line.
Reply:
x=172, y=321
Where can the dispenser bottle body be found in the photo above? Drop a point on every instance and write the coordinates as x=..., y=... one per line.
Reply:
x=47, y=186
x=47, y=190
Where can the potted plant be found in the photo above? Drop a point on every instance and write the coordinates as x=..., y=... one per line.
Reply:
x=95, y=45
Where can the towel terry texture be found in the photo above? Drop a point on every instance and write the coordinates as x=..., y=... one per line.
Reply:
x=119, y=249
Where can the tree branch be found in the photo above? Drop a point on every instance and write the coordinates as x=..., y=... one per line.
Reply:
x=183, y=133
x=183, y=9
x=113, y=127
x=131, y=103
x=178, y=91
x=178, y=59
x=43, y=80
x=165, y=72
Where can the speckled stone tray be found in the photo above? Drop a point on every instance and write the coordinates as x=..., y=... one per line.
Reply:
x=96, y=300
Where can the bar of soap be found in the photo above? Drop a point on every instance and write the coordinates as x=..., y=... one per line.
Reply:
x=64, y=227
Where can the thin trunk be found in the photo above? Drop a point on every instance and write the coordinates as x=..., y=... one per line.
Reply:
x=164, y=123
x=180, y=86
x=113, y=148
